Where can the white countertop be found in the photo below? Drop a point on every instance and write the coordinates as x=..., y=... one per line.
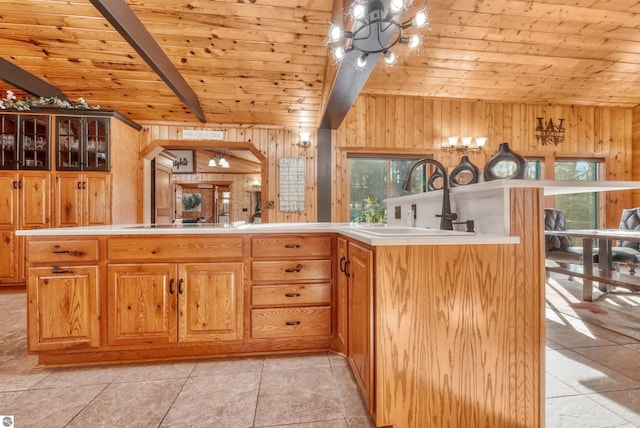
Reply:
x=422, y=236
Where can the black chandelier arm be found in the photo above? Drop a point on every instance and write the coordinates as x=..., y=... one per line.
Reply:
x=364, y=32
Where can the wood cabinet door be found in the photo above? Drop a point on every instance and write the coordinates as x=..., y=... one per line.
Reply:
x=361, y=318
x=68, y=201
x=8, y=256
x=63, y=308
x=141, y=304
x=97, y=198
x=35, y=198
x=211, y=297
x=342, y=300
x=9, y=192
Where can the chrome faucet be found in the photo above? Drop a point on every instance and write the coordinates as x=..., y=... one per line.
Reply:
x=446, y=217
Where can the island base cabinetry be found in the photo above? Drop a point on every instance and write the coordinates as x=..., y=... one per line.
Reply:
x=150, y=298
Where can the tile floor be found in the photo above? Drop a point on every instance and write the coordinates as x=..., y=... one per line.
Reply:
x=592, y=380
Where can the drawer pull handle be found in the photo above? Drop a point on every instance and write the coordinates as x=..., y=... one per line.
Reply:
x=58, y=250
x=346, y=269
x=298, y=268
x=56, y=269
x=292, y=322
x=342, y=260
x=292, y=246
x=171, y=289
x=180, y=284
x=292, y=294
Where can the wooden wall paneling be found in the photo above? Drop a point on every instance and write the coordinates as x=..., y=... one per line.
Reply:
x=635, y=150
x=590, y=131
x=399, y=134
x=126, y=173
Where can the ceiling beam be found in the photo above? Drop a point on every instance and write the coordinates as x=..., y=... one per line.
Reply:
x=349, y=79
x=22, y=79
x=122, y=18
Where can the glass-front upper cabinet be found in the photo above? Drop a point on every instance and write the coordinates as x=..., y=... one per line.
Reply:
x=34, y=135
x=8, y=141
x=82, y=143
x=24, y=142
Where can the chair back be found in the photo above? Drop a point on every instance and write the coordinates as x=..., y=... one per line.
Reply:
x=630, y=220
x=555, y=220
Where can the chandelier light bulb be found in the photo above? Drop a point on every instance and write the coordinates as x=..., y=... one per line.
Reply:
x=414, y=41
x=212, y=161
x=358, y=11
x=397, y=5
x=389, y=58
x=339, y=53
x=362, y=61
x=480, y=141
x=466, y=141
x=420, y=19
x=335, y=33
x=453, y=141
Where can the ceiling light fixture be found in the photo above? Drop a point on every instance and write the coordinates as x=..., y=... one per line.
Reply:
x=373, y=24
x=550, y=133
x=464, y=145
x=222, y=161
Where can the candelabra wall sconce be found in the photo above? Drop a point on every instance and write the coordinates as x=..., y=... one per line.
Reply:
x=464, y=145
x=550, y=133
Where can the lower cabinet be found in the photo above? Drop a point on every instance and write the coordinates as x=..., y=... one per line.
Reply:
x=168, y=303
x=63, y=307
x=357, y=267
x=291, y=291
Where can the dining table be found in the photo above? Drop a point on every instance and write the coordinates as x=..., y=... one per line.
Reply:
x=605, y=272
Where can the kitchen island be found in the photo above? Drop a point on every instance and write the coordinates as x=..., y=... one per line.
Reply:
x=440, y=329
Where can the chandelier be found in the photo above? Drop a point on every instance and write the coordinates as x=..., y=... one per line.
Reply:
x=549, y=133
x=222, y=161
x=376, y=30
x=463, y=145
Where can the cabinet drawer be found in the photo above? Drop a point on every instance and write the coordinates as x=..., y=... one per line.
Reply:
x=291, y=294
x=63, y=251
x=290, y=322
x=291, y=270
x=291, y=246
x=172, y=249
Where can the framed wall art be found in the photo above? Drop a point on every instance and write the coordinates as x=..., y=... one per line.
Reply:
x=184, y=163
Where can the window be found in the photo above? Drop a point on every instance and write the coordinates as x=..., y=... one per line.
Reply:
x=580, y=209
x=374, y=179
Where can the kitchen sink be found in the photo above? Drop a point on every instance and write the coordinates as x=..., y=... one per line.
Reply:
x=408, y=231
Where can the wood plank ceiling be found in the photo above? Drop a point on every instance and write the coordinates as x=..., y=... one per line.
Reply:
x=265, y=62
